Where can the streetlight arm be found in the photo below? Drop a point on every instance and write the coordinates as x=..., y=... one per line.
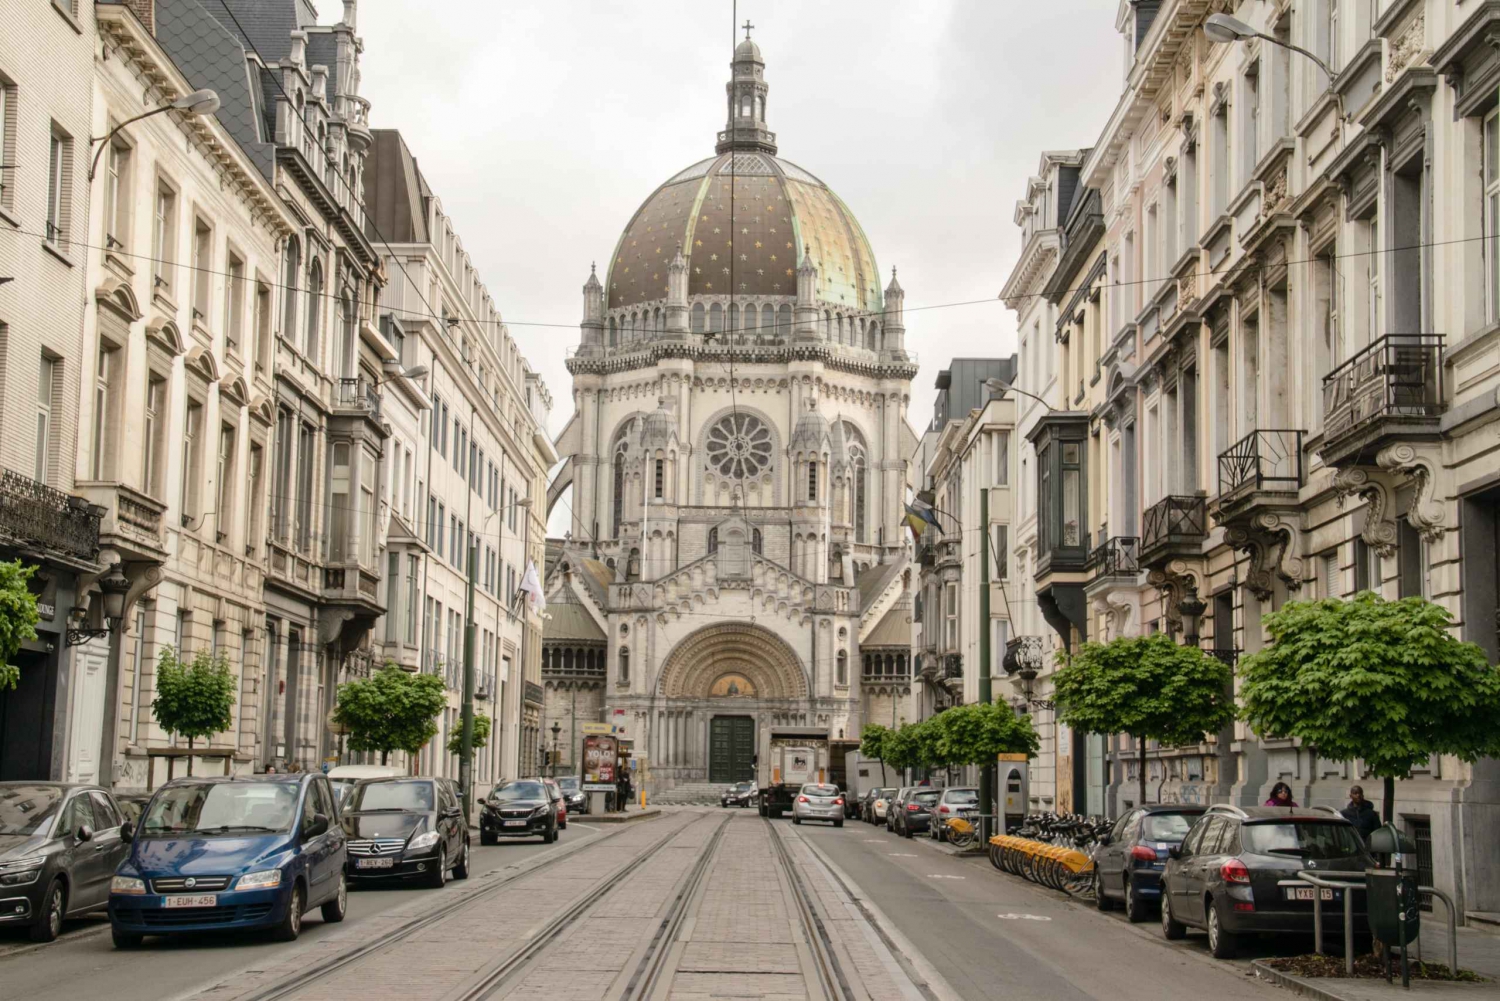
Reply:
x=103, y=140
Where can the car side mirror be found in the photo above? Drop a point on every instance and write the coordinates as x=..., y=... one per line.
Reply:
x=318, y=827
x=127, y=832
x=1175, y=851
x=84, y=833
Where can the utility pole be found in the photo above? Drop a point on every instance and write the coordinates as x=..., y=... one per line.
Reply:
x=987, y=773
x=466, y=740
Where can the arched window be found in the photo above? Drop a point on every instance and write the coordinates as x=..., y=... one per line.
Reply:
x=613, y=332
x=755, y=539
x=658, y=320
x=314, y=307
x=860, y=461
x=872, y=334
x=784, y=321
x=713, y=540
x=699, y=317
x=734, y=318
x=767, y=319
x=715, y=318
x=760, y=107
x=843, y=668
x=621, y=456
x=745, y=106
x=624, y=665
x=291, y=279
x=827, y=324
x=347, y=336
x=752, y=319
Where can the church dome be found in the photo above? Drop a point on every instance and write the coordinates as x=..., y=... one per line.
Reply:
x=745, y=219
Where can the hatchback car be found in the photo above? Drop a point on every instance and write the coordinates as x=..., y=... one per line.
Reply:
x=1235, y=874
x=914, y=812
x=819, y=802
x=559, y=800
x=573, y=794
x=875, y=811
x=1133, y=854
x=741, y=794
x=228, y=853
x=954, y=801
x=893, y=806
x=518, y=809
x=59, y=845
x=406, y=828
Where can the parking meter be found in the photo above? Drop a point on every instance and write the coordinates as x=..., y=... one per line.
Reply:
x=1393, y=902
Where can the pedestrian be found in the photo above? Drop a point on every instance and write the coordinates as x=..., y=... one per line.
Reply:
x=270, y=769
x=1361, y=813
x=1281, y=795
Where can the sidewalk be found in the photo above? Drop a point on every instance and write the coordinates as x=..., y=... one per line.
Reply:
x=632, y=811
x=1478, y=950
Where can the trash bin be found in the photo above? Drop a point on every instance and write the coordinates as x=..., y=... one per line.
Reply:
x=1391, y=898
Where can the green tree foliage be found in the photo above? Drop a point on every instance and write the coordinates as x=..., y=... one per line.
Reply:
x=1383, y=681
x=18, y=618
x=1148, y=687
x=872, y=741
x=194, y=699
x=481, y=735
x=975, y=734
x=392, y=710
x=902, y=749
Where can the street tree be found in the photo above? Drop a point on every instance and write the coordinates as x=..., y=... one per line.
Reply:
x=1148, y=687
x=872, y=744
x=1386, y=682
x=392, y=710
x=977, y=733
x=193, y=699
x=18, y=618
x=481, y=735
x=902, y=749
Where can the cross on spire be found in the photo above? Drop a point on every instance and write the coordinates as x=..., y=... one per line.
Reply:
x=747, y=26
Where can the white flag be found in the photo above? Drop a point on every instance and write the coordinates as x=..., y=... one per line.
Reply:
x=533, y=588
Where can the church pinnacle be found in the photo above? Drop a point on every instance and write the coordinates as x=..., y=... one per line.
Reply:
x=746, y=92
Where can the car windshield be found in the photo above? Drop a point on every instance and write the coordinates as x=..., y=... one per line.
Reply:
x=391, y=797
x=519, y=790
x=743, y=786
x=221, y=808
x=813, y=789
x=1167, y=826
x=1301, y=839
x=28, y=809
x=961, y=797
x=884, y=793
x=925, y=798
x=342, y=788
x=569, y=784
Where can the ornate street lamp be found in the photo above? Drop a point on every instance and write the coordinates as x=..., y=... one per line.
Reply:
x=113, y=587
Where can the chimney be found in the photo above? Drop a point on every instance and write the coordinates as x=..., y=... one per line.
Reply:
x=146, y=11
x=299, y=49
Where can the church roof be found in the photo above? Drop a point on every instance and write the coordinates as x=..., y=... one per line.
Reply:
x=568, y=620
x=873, y=582
x=892, y=630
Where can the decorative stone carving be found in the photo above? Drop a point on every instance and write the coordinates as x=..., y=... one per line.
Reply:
x=1406, y=47
x=1276, y=193
x=1187, y=290
x=713, y=651
x=1379, y=532
x=1274, y=544
x=1175, y=581
x=1426, y=514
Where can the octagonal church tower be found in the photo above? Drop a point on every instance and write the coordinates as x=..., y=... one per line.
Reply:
x=737, y=458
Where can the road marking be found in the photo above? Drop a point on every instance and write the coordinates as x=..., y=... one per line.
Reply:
x=939, y=875
x=900, y=855
x=1022, y=917
x=874, y=841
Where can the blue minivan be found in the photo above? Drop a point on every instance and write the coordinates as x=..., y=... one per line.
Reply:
x=231, y=853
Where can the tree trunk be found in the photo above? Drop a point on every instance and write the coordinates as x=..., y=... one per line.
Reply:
x=190, y=757
x=385, y=757
x=1140, y=743
x=882, y=771
x=1388, y=800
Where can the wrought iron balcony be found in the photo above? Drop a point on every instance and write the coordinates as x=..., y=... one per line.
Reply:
x=358, y=394
x=1393, y=387
x=1173, y=526
x=1269, y=460
x=36, y=515
x=1118, y=555
x=953, y=666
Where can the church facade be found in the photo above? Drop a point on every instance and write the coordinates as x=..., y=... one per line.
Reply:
x=737, y=465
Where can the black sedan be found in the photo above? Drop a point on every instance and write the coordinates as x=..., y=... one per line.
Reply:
x=518, y=809
x=573, y=794
x=406, y=828
x=1133, y=854
x=59, y=845
x=741, y=794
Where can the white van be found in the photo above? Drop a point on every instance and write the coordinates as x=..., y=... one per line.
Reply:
x=343, y=777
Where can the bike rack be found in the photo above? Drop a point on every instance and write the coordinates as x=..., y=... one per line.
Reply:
x=1319, y=880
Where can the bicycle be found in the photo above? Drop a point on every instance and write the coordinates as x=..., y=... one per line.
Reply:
x=962, y=830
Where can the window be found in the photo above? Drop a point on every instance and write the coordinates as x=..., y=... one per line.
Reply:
x=262, y=325
x=46, y=390
x=434, y=432
x=164, y=237
x=234, y=302
x=950, y=615
x=106, y=374
x=843, y=668
x=412, y=564
x=812, y=480
x=1218, y=165
x=624, y=677
x=59, y=184
x=224, y=503
x=7, y=143
x=1001, y=553
x=255, y=481
x=661, y=466
x=1367, y=570
x=1491, y=168
x=1250, y=121
x=156, y=425
x=306, y=440
x=1412, y=561
x=116, y=191
x=203, y=262
x=347, y=336
x=289, y=278
x=1000, y=475
x=314, y=308
x=1328, y=575
x=192, y=461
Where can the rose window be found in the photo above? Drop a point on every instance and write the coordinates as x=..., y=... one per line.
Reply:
x=739, y=446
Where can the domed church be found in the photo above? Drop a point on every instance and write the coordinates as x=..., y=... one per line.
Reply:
x=736, y=557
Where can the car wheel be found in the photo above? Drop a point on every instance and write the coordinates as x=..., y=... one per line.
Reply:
x=461, y=867
x=47, y=924
x=906, y=831
x=486, y=838
x=838, y=823
x=1221, y=943
x=439, y=874
x=1171, y=929
x=335, y=909
x=549, y=835
x=1136, y=908
x=796, y=820
x=291, y=923
x=1102, y=900
x=126, y=939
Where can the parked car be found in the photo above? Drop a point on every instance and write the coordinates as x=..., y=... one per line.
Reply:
x=875, y=813
x=741, y=794
x=559, y=800
x=863, y=808
x=893, y=807
x=816, y=801
x=952, y=802
x=406, y=828
x=59, y=845
x=1227, y=876
x=131, y=804
x=230, y=853
x=914, y=812
x=1133, y=854
x=344, y=777
x=573, y=794
x=517, y=809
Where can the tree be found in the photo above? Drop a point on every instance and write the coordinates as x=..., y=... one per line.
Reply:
x=392, y=710
x=193, y=699
x=481, y=735
x=1383, y=681
x=901, y=747
x=872, y=741
x=18, y=618
x=977, y=733
x=1148, y=687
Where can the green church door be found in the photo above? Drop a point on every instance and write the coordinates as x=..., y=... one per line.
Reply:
x=731, y=748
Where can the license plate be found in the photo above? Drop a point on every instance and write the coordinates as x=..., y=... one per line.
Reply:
x=515, y=823
x=1306, y=893
x=187, y=900
x=374, y=863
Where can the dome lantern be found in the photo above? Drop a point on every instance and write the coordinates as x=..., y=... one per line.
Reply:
x=746, y=91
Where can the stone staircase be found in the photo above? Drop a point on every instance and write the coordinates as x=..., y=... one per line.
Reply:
x=687, y=794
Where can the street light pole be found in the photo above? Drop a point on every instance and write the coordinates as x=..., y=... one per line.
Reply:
x=466, y=740
x=987, y=773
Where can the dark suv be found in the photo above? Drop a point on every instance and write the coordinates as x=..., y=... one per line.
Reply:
x=1133, y=854
x=1230, y=876
x=406, y=828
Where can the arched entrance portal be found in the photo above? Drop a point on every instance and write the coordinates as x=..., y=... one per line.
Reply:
x=719, y=686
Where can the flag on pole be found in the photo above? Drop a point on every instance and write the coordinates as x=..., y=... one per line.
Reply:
x=532, y=586
x=915, y=522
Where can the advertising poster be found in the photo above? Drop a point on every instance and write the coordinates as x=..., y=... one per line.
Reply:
x=599, y=751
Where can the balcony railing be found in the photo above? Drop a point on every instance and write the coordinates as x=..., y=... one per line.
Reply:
x=358, y=394
x=1262, y=460
x=35, y=513
x=1120, y=554
x=1174, y=518
x=1400, y=375
x=1224, y=656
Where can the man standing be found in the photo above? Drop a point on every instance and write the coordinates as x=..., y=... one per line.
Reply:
x=1361, y=813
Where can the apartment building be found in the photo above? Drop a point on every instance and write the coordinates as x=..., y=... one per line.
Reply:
x=1297, y=362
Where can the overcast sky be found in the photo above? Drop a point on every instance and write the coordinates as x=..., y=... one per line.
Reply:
x=542, y=126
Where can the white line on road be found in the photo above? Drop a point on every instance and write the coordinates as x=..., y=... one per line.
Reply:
x=1022, y=917
x=939, y=875
x=900, y=855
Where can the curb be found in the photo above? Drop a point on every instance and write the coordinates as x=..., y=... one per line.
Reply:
x=622, y=818
x=1296, y=985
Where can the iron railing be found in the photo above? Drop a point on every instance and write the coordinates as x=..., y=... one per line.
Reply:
x=1174, y=517
x=1400, y=375
x=358, y=394
x=35, y=513
x=1224, y=655
x=1262, y=460
x=1119, y=554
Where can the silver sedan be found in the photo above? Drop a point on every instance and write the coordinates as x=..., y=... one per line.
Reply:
x=819, y=802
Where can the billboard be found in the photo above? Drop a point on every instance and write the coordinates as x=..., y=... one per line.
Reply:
x=599, y=753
